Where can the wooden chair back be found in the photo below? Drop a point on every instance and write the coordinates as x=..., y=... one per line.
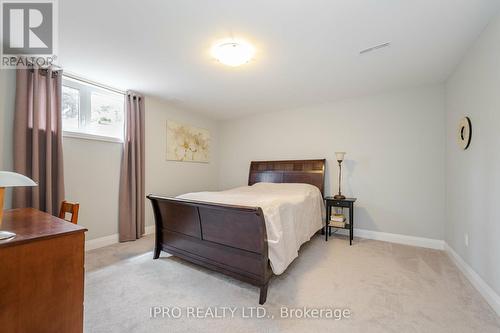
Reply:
x=72, y=208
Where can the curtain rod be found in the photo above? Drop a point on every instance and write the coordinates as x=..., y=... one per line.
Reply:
x=100, y=85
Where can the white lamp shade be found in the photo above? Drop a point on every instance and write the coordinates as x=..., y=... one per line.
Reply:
x=12, y=179
x=340, y=155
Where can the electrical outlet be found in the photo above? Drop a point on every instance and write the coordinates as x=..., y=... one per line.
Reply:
x=466, y=239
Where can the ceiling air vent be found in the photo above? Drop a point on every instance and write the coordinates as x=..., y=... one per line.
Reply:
x=373, y=48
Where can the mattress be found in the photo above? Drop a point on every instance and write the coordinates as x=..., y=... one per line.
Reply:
x=293, y=214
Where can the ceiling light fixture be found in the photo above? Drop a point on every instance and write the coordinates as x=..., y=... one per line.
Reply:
x=233, y=52
x=376, y=47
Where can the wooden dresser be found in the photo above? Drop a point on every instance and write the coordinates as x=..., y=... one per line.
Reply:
x=41, y=273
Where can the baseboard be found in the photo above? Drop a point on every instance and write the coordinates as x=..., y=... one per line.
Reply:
x=362, y=233
x=150, y=229
x=111, y=239
x=399, y=239
x=484, y=289
x=101, y=242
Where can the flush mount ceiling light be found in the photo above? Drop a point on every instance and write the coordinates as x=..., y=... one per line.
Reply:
x=233, y=52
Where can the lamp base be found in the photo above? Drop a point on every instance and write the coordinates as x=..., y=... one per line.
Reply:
x=339, y=197
x=6, y=235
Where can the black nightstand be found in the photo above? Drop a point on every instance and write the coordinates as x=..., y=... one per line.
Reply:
x=343, y=203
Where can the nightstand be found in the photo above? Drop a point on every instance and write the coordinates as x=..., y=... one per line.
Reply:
x=348, y=203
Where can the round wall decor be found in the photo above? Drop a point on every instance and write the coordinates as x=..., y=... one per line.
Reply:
x=464, y=133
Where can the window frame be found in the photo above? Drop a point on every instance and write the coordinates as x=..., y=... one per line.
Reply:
x=86, y=89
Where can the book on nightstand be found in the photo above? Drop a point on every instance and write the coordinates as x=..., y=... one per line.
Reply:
x=337, y=220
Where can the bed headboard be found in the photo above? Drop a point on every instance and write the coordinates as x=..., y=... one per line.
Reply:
x=295, y=171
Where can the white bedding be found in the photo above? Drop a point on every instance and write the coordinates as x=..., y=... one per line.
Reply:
x=293, y=213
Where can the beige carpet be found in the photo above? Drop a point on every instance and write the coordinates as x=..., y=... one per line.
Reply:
x=387, y=287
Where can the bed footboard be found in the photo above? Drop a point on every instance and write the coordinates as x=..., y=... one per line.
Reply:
x=225, y=238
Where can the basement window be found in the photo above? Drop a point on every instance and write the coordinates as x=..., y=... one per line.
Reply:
x=92, y=112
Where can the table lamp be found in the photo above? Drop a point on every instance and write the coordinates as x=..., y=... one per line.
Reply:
x=10, y=179
x=340, y=158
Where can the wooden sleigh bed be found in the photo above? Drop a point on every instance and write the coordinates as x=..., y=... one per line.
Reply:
x=227, y=238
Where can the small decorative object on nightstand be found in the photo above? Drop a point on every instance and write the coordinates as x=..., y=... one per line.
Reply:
x=340, y=158
x=337, y=220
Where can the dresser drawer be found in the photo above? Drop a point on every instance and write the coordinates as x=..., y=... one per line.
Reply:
x=339, y=203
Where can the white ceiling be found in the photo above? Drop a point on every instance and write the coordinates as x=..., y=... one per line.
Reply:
x=307, y=50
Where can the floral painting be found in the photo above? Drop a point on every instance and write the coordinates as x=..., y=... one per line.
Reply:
x=187, y=143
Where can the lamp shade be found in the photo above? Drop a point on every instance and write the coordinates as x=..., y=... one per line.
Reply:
x=12, y=179
x=340, y=155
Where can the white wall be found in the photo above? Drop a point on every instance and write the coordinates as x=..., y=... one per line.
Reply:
x=395, y=146
x=394, y=142
x=7, y=101
x=92, y=170
x=172, y=178
x=91, y=175
x=473, y=176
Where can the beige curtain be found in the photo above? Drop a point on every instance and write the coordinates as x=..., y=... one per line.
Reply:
x=38, y=139
x=132, y=194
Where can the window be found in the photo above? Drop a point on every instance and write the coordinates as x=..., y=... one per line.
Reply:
x=89, y=111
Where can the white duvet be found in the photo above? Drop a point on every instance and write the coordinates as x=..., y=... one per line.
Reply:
x=293, y=213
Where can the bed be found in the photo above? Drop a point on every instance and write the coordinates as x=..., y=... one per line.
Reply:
x=227, y=232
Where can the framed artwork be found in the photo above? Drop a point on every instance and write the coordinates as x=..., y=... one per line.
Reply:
x=187, y=143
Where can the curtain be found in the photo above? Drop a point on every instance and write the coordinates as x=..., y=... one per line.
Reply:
x=132, y=194
x=38, y=138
